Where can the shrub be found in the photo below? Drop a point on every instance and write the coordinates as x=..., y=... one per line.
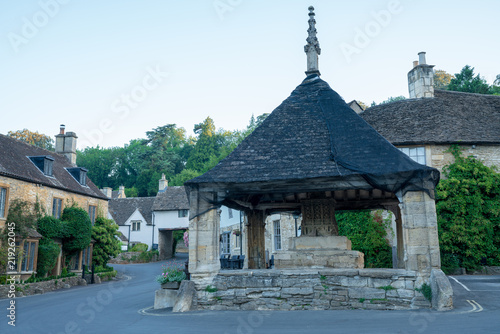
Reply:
x=51, y=227
x=107, y=245
x=48, y=251
x=139, y=248
x=78, y=229
x=147, y=256
x=367, y=233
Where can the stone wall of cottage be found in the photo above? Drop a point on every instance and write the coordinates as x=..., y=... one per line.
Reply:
x=287, y=225
x=31, y=192
x=309, y=289
x=489, y=155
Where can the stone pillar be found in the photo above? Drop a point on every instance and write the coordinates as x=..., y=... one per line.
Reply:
x=165, y=244
x=398, y=256
x=420, y=233
x=204, y=233
x=256, y=244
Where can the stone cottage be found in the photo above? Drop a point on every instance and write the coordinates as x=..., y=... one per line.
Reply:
x=425, y=125
x=34, y=174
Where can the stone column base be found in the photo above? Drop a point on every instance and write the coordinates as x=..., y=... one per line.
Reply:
x=324, y=258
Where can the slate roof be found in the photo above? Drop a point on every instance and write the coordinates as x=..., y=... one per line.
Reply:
x=122, y=208
x=314, y=134
x=450, y=117
x=172, y=198
x=15, y=163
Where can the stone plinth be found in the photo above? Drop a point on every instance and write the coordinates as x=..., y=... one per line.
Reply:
x=319, y=252
x=165, y=298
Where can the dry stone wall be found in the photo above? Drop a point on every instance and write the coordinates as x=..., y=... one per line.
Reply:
x=324, y=289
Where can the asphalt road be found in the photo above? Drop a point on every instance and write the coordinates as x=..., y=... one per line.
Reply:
x=124, y=306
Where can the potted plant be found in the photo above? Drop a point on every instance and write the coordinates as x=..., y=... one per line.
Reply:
x=171, y=278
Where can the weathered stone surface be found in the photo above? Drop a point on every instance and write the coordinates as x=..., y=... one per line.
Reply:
x=442, y=292
x=165, y=298
x=185, y=297
x=367, y=293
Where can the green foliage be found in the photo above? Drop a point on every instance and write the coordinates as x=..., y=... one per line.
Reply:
x=48, y=252
x=34, y=279
x=387, y=287
x=78, y=229
x=107, y=275
x=145, y=257
x=186, y=175
x=465, y=81
x=426, y=290
x=468, y=209
x=211, y=289
x=139, y=248
x=51, y=227
x=21, y=218
x=367, y=233
x=106, y=244
x=171, y=275
x=362, y=300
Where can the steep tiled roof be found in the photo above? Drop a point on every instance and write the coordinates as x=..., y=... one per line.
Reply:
x=122, y=208
x=15, y=163
x=314, y=135
x=449, y=117
x=173, y=198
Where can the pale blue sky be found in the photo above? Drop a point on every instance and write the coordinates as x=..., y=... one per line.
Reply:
x=227, y=59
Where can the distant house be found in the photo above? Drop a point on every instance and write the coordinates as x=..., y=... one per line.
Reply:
x=425, y=125
x=151, y=220
x=54, y=181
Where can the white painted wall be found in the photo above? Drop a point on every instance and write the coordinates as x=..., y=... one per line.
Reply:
x=224, y=217
x=170, y=219
x=144, y=235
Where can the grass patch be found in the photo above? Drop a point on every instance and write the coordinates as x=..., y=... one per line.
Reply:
x=211, y=289
x=426, y=290
x=387, y=287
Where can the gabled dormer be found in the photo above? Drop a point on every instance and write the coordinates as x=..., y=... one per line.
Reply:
x=44, y=163
x=79, y=173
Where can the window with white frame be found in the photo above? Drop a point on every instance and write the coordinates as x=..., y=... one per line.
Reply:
x=277, y=234
x=3, y=202
x=136, y=225
x=183, y=213
x=415, y=153
x=225, y=243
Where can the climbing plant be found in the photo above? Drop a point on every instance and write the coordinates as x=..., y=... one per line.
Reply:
x=48, y=251
x=468, y=209
x=367, y=232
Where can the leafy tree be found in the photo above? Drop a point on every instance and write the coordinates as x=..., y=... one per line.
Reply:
x=33, y=138
x=101, y=164
x=389, y=100
x=468, y=209
x=367, y=233
x=185, y=175
x=104, y=232
x=442, y=79
x=465, y=81
x=21, y=218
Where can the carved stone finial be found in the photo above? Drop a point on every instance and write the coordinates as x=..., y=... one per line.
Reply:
x=312, y=48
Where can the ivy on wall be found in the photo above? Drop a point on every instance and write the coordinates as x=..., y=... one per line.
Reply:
x=468, y=209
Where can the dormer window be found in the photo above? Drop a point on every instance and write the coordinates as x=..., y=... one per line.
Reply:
x=79, y=173
x=44, y=163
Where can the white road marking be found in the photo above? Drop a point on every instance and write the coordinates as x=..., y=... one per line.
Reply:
x=453, y=278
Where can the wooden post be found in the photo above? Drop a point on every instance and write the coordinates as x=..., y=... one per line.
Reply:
x=256, y=240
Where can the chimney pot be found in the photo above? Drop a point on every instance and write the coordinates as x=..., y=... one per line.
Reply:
x=421, y=58
x=415, y=63
x=61, y=130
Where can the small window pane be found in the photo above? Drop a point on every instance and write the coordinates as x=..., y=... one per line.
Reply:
x=32, y=255
x=25, y=257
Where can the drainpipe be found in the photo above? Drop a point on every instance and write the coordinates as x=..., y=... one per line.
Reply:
x=153, y=237
x=128, y=244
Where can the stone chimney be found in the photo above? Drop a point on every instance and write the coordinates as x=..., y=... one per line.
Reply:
x=121, y=192
x=421, y=79
x=66, y=144
x=107, y=191
x=163, y=183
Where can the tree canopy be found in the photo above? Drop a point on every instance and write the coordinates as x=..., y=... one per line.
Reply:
x=33, y=138
x=466, y=81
